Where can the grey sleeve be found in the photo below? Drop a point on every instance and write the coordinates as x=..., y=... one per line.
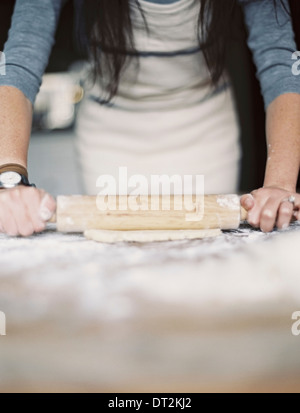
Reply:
x=29, y=44
x=272, y=41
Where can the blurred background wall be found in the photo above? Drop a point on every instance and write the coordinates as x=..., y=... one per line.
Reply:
x=249, y=101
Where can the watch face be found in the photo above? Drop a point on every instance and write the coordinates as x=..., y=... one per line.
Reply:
x=10, y=179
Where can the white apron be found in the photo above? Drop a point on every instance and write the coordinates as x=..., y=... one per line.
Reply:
x=165, y=120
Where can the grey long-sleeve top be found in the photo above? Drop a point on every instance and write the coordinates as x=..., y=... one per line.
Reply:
x=34, y=22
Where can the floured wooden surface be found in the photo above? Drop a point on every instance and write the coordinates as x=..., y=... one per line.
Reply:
x=202, y=270
x=208, y=313
x=111, y=237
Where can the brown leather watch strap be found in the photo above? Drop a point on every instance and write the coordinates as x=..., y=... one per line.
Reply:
x=14, y=167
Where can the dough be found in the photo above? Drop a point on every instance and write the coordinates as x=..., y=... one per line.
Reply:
x=149, y=235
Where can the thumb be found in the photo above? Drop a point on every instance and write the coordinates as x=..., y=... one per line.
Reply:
x=247, y=201
x=47, y=207
x=296, y=215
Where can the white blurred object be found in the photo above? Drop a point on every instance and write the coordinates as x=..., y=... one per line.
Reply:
x=55, y=106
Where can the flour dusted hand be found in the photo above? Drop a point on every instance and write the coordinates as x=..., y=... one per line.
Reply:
x=25, y=210
x=270, y=206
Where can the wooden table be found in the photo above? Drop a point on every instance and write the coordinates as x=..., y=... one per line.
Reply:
x=187, y=316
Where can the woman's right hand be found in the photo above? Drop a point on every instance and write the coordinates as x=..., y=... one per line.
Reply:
x=25, y=210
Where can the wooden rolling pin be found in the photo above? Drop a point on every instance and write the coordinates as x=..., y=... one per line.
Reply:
x=81, y=213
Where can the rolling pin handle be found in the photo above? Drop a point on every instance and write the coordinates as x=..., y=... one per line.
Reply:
x=53, y=219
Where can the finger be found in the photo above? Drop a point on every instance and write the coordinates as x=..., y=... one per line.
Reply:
x=268, y=216
x=247, y=202
x=296, y=215
x=296, y=209
x=255, y=213
x=20, y=213
x=31, y=201
x=285, y=214
x=8, y=224
x=297, y=202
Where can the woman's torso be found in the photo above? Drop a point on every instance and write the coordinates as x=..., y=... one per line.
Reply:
x=169, y=70
x=166, y=117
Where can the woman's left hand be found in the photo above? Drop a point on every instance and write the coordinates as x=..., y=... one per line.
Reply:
x=271, y=206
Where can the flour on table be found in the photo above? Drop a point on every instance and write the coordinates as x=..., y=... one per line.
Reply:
x=244, y=269
x=110, y=237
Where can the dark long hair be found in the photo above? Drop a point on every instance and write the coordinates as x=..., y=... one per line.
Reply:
x=109, y=33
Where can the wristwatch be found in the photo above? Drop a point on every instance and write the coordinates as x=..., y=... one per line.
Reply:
x=11, y=179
